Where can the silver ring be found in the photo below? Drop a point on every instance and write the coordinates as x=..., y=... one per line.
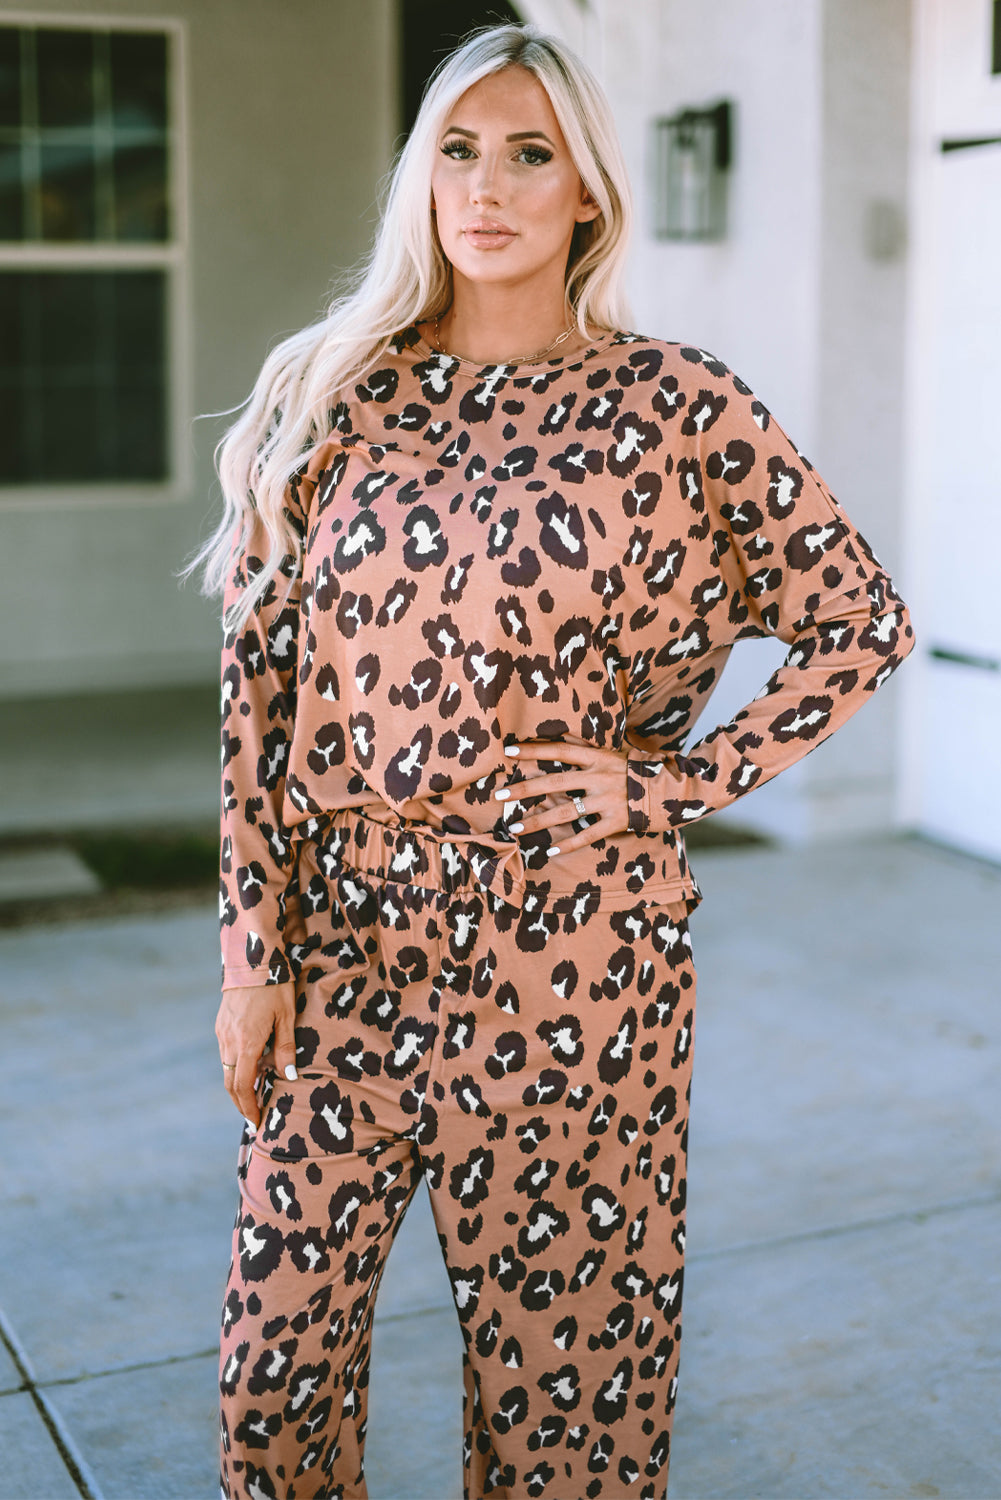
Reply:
x=579, y=805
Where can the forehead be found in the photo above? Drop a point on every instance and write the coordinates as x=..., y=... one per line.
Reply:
x=513, y=99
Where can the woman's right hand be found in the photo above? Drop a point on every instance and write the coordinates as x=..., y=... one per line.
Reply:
x=251, y=1016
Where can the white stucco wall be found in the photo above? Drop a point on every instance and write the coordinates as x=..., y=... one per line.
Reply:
x=291, y=114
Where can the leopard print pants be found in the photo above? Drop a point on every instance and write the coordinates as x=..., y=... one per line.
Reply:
x=532, y=1065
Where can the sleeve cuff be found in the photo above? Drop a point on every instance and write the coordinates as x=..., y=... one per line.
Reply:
x=639, y=779
x=253, y=970
x=654, y=795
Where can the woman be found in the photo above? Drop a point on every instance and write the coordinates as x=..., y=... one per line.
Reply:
x=486, y=554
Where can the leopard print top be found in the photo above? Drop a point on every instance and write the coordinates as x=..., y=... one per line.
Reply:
x=564, y=551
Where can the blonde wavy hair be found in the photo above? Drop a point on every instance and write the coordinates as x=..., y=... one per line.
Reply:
x=407, y=279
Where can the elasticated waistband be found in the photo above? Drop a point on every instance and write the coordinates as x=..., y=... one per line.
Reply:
x=410, y=855
x=392, y=851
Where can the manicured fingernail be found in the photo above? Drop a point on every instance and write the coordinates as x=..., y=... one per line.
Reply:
x=503, y=794
x=291, y=1074
x=516, y=828
x=553, y=852
x=512, y=749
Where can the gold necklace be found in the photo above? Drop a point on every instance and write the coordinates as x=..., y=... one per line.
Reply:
x=518, y=359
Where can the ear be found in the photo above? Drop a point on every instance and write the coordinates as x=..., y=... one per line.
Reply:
x=587, y=208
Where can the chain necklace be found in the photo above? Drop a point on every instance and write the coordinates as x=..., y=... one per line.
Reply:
x=517, y=359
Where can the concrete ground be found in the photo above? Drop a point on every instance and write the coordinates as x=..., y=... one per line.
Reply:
x=843, y=1327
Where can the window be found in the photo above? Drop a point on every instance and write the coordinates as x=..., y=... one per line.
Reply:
x=89, y=245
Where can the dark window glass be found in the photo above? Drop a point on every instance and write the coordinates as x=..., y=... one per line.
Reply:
x=67, y=197
x=432, y=29
x=140, y=193
x=65, y=62
x=11, y=194
x=996, y=48
x=83, y=135
x=83, y=159
x=138, y=80
x=138, y=326
x=10, y=76
x=82, y=376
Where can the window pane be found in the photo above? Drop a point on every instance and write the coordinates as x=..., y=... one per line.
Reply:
x=70, y=422
x=65, y=77
x=11, y=194
x=12, y=351
x=138, y=325
x=67, y=319
x=139, y=433
x=82, y=390
x=141, y=193
x=67, y=192
x=13, y=432
x=10, y=76
x=138, y=80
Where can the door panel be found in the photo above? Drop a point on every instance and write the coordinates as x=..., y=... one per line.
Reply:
x=967, y=378
x=957, y=786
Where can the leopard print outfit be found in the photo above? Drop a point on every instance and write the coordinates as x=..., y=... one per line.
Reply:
x=564, y=552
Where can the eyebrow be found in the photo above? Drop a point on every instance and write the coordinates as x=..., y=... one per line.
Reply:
x=519, y=135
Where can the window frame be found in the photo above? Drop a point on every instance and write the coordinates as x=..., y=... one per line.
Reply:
x=172, y=256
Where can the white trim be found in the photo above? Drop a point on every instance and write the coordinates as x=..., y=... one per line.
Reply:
x=180, y=340
x=918, y=403
x=55, y=20
x=87, y=255
x=171, y=255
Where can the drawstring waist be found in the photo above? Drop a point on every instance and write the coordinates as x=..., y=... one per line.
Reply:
x=636, y=870
x=408, y=854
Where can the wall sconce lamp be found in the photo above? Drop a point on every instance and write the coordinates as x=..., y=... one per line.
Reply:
x=694, y=149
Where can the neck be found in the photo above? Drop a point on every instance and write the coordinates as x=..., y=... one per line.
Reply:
x=494, y=325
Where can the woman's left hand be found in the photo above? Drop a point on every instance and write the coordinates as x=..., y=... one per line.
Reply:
x=594, y=786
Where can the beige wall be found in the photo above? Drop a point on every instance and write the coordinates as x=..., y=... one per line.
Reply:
x=291, y=114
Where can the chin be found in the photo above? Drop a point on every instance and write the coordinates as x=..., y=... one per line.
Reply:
x=492, y=268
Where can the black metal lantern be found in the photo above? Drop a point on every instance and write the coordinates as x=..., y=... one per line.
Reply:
x=693, y=155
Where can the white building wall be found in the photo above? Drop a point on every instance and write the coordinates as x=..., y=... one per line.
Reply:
x=805, y=296
x=291, y=112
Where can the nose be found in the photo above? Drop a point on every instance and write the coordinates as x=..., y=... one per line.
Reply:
x=484, y=188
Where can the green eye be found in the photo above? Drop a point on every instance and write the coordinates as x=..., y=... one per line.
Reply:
x=535, y=156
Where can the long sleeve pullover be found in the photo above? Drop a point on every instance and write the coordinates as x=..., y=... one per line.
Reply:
x=564, y=552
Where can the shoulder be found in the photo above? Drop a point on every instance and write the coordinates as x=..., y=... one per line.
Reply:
x=686, y=362
x=685, y=382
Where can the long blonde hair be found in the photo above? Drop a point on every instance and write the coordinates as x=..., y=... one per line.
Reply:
x=405, y=280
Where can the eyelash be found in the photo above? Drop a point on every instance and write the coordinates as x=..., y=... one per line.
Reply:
x=540, y=153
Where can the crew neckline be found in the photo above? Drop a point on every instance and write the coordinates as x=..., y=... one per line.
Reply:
x=605, y=339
